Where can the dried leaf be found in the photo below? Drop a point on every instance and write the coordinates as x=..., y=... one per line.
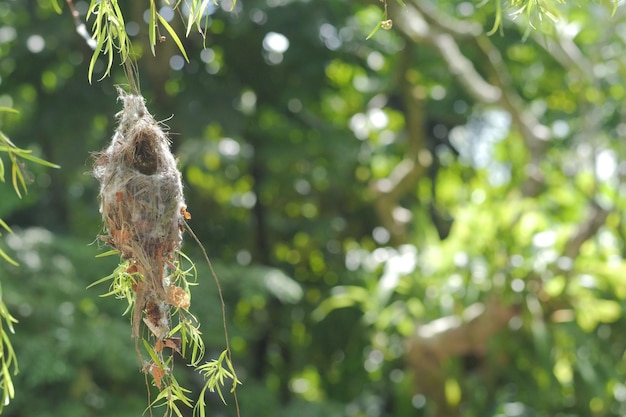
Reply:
x=173, y=343
x=156, y=371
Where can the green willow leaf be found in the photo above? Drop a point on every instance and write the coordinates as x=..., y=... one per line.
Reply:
x=7, y=141
x=94, y=57
x=373, y=32
x=7, y=258
x=105, y=254
x=17, y=177
x=152, y=28
x=56, y=6
x=39, y=161
x=498, y=22
x=152, y=354
x=174, y=36
x=5, y=226
x=195, y=14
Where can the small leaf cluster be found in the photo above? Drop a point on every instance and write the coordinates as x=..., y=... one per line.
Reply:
x=215, y=373
x=121, y=282
x=109, y=32
x=15, y=154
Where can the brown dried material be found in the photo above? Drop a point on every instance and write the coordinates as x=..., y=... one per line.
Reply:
x=177, y=297
x=174, y=343
x=157, y=317
x=156, y=371
x=142, y=206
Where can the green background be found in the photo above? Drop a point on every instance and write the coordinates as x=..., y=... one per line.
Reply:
x=426, y=223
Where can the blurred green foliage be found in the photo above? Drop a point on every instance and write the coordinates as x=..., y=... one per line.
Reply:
x=292, y=130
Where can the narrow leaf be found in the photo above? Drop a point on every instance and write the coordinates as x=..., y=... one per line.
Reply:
x=7, y=141
x=94, y=57
x=8, y=258
x=152, y=354
x=56, y=6
x=498, y=21
x=374, y=30
x=108, y=253
x=39, y=161
x=174, y=36
x=152, y=31
x=15, y=175
x=5, y=226
x=101, y=280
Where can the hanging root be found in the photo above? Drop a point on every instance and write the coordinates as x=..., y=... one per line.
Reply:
x=143, y=209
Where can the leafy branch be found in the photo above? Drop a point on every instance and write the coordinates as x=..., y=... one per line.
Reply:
x=122, y=282
x=215, y=373
x=8, y=359
x=109, y=31
x=109, y=36
x=534, y=11
x=17, y=166
x=184, y=338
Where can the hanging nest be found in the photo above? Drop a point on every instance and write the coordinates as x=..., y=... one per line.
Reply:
x=143, y=209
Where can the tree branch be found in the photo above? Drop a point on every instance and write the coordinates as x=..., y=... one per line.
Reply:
x=563, y=49
x=421, y=23
x=596, y=217
x=413, y=25
x=388, y=191
x=456, y=27
x=81, y=29
x=534, y=133
x=453, y=336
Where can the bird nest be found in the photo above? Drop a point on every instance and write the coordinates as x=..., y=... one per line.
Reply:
x=143, y=210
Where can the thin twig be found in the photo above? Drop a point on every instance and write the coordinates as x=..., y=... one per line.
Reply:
x=223, y=306
x=81, y=29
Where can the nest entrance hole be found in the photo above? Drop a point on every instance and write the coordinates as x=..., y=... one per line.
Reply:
x=145, y=159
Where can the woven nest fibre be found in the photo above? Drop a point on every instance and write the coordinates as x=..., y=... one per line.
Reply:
x=142, y=206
